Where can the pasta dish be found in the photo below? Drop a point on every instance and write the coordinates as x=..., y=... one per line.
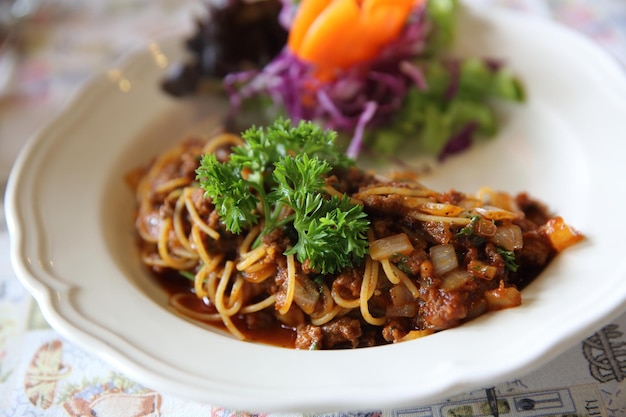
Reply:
x=389, y=260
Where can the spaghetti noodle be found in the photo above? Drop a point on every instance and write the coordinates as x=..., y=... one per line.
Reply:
x=436, y=260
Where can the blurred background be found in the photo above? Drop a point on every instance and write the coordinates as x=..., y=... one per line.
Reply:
x=49, y=48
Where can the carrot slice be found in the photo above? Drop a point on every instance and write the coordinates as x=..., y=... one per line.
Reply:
x=308, y=11
x=333, y=30
x=384, y=19
x=347, y=32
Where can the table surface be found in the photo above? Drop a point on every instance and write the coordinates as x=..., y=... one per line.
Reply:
x=54, y=62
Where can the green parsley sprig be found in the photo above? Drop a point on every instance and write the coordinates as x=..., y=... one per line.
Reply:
x=509, y=259
x=285, y=166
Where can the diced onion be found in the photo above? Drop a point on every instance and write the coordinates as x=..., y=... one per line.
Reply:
x=391, y=245
x=400, y=295
x=306, y=294
x=560, y=234
x=502, y=298
x=509, y=237
x=444, y=258
x=482, y=270
x=455, y=279
x=406, y=310
x=485, y=228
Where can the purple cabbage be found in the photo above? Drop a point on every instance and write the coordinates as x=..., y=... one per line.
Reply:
x=365, y=96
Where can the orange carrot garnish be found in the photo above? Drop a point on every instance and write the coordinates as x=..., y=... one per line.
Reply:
x=308, y=11
x=334, y=35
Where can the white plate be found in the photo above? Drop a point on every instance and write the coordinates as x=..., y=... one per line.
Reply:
x=69, y=215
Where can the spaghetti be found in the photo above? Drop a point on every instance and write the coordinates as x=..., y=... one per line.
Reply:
x=435, y=260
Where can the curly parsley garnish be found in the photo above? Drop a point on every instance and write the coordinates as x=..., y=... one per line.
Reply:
x=285, y=166
x=468, y=230
x=509, y=259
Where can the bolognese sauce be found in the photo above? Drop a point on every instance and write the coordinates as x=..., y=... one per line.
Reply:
x=435, y=260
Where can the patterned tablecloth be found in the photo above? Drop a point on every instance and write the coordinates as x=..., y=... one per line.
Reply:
x=41, y=374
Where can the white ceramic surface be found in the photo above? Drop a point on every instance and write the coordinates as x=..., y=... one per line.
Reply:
x=70, y=218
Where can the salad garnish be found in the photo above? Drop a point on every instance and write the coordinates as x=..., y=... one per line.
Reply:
x=382, y=74
x=235, y=36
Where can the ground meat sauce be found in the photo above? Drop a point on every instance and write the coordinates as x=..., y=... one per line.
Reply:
x=495, y=253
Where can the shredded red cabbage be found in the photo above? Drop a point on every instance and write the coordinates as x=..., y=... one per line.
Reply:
x=365, y=96
x=377, y=98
